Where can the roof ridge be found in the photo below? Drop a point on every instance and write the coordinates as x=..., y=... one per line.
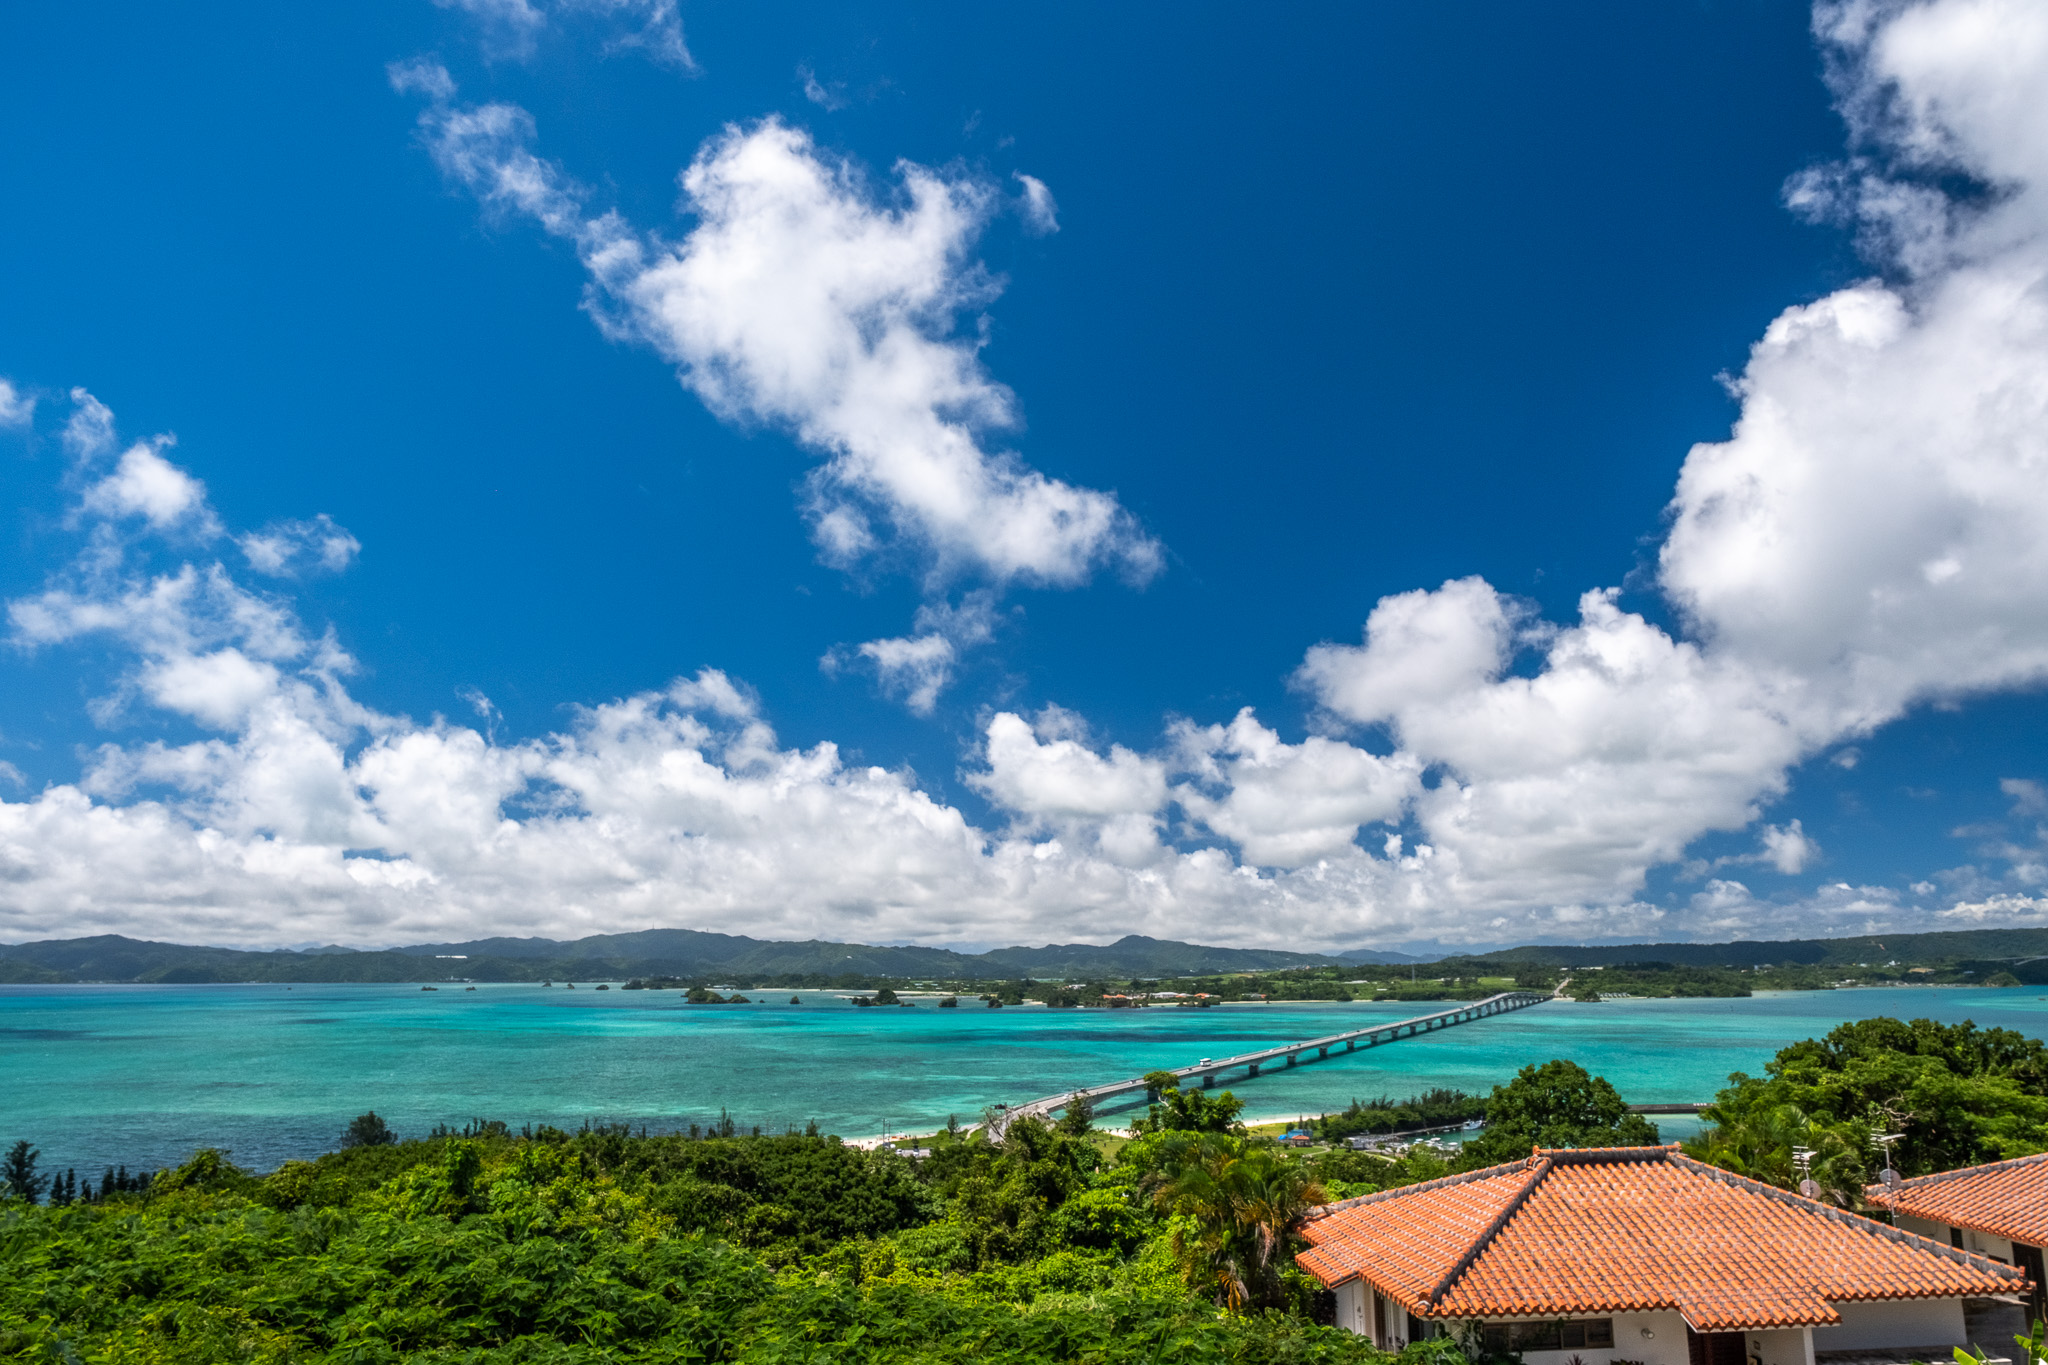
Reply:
x=1539, y=1166
x=1603, y=1156
x=1322, y=1211
x=1853, y=1221
x=1921, y=1182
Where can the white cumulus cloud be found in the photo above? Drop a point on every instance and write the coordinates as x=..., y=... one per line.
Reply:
x=807, y=299
x=1873, y=535
x=1787, y=848
x=145, y=484
x=1283, y=804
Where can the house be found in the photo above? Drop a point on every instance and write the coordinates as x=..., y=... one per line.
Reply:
x=1999, y=1210
x=1641, y=1254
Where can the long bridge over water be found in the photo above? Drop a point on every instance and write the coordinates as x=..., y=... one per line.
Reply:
x=1289, y=1054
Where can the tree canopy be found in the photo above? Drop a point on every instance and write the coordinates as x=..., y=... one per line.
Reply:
x=1958, y=1095
x=602, y=1246
x=1557, y=1104
x=1186, y=1111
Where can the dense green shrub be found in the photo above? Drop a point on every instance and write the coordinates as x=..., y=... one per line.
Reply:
x=1958, y=1094
x=1431, y=1109
x=489, y=1250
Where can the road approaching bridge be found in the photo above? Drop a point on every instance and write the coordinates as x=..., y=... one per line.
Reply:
x=1291, y=1054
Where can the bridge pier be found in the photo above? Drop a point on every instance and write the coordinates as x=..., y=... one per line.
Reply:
x=1252, y=1071
x=1322, y=1052
x=1291, y=1056
x=1209, y=1081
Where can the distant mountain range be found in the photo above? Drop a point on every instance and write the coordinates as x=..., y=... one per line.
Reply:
x=685, y=953
x=693, y=955
x=1960, y=945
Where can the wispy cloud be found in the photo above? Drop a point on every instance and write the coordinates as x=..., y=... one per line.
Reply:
x=511, y=30
x=1041, y=214
x=828, y=97
x=918, y=667
x=286, y=549
x=17, y=409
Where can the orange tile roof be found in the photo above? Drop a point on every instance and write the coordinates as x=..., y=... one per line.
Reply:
x=2006, y=1198
x=1629, y=1229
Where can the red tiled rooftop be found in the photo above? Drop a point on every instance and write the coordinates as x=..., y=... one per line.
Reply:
x=2006, y=1198
x=1629, y=1230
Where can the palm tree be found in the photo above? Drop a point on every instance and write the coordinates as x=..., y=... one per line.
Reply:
x=1237, y=1203
x=1760, y=1144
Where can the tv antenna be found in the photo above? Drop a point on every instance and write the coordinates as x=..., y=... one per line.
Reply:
x=1802, y=1157
x=1884, y=1142
x=1888, y=1175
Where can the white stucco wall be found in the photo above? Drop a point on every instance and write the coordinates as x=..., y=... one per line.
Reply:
x=1354, y=1308
x=1983, y=1243
x=1664, y=1346
x=1892, y=1324
x=1933, y=1232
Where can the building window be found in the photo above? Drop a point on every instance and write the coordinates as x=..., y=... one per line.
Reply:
x=1570, y=1334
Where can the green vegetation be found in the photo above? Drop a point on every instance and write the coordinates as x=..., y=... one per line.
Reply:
x=1187, y=1111
x=1956, y=1094
x=18, y=1173
x=1558, y=1104
x=553, y=1247
x=479, y=1245
x=1432, y=1109
x=367, y=1130
x=1234, y=1205
x=14, y=972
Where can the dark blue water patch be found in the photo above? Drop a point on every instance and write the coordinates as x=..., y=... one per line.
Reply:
x=45, y=1034
x=310, y=1021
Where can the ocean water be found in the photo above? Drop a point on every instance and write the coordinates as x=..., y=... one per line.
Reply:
x=143, y=1075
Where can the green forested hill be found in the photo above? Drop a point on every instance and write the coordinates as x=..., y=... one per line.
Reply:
x=675, y=953
x=686, y=954
x=1874, y=949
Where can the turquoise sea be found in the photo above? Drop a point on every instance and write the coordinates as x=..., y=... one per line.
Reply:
x=141, y=1075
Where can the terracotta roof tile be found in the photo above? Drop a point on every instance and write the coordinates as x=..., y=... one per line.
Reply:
x=2006, y=1198
x=1629, y=1229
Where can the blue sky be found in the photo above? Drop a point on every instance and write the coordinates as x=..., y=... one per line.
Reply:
x=1321, y=308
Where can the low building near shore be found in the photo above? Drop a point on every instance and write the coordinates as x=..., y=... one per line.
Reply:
x=1998, y=1210
x=1641, y=1254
